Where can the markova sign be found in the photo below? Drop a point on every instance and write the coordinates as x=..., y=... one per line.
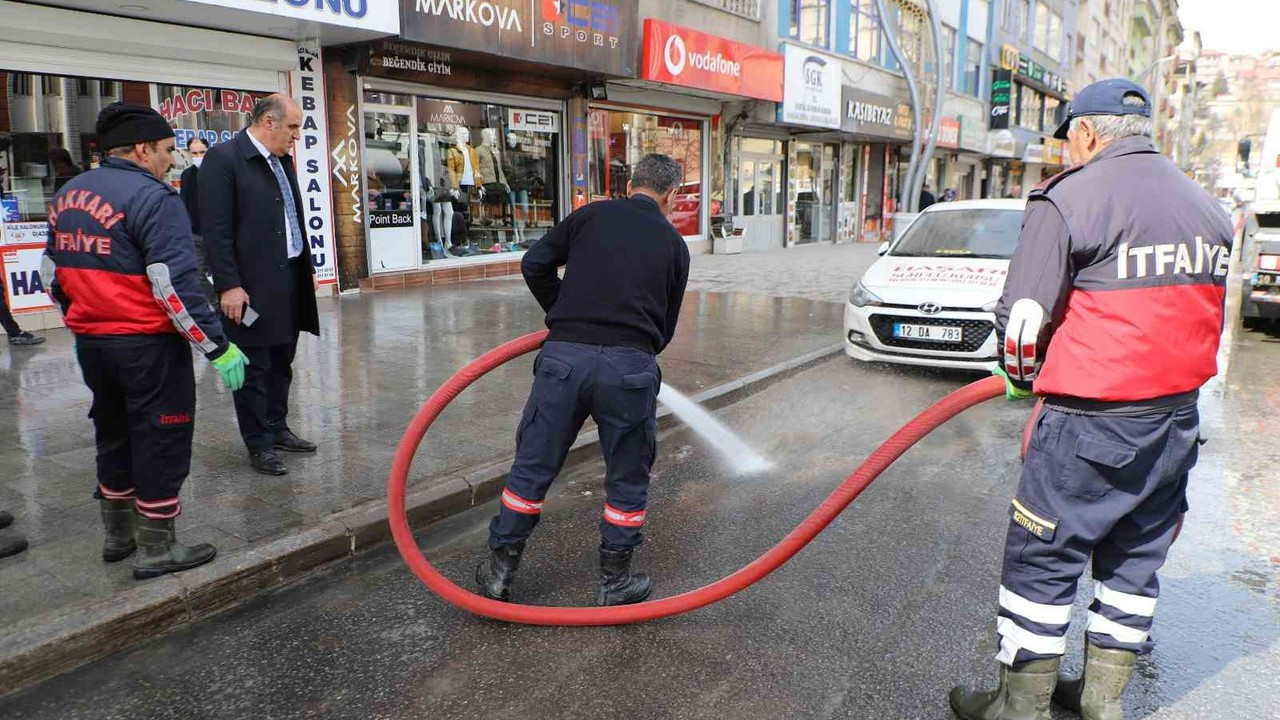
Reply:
x=594, y=35
x=681, y=56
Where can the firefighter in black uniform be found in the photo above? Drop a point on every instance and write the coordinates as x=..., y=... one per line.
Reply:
x=1112, y=311
x=626, y=268
x=120, y=263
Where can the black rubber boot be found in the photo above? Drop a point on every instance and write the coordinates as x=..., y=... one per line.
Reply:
x=618, y=585
x=117, y=521
x=11, y=544
x=1024, y=694
x=160, y=553
x=1098, y=693
x=494, y=575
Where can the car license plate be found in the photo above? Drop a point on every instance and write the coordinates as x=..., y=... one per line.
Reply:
x=928, y=333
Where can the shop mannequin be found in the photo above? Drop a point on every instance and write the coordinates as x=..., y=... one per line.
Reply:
x=519, y=196
x=436, y=196
x=496, y=190
x=463, y=165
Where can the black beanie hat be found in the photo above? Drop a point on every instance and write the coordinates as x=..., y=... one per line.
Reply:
x=121, y=124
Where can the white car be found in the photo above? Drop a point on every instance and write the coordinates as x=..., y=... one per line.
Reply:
x=930, y=299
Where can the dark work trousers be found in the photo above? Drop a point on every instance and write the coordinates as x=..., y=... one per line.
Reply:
x=6, y=318
x=144, y=404
x=618, y=388
x=1103, y=486
x=262, y=404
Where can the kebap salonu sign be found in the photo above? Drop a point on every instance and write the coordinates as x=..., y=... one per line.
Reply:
x=596, y=35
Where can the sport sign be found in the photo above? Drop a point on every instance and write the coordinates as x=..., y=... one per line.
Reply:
x=680, y=56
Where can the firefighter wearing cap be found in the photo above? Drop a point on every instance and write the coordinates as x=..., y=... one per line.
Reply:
x=1112, y=312
x=120, y=263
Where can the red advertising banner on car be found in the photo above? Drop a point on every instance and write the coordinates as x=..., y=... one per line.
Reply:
x=679, y=56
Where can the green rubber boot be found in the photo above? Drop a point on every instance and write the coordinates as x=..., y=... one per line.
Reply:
x=160, y=553
x=1024, y=694
x=1098, y=694
x=117, y=522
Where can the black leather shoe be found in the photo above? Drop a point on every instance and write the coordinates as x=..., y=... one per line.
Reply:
x=287, y=441
x=25, y=338
x=268, y=463
x=6, y=518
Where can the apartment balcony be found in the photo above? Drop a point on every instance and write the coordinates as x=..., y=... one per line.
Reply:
x=1144, y=24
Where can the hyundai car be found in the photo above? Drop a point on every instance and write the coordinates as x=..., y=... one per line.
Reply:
x=930, y=298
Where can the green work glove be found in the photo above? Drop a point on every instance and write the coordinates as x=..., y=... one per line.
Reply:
x=230, y=365
x=1012, y=391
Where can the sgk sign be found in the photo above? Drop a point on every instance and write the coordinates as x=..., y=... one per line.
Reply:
x=680, y=56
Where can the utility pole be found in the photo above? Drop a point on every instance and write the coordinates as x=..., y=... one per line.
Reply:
x=891, y=37
x=938, y=65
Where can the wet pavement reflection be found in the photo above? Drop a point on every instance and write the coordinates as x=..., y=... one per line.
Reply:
x=876, y=619
x=355, y=389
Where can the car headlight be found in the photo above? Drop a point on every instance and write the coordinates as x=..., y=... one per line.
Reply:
x=991, y=306
x=860, y=296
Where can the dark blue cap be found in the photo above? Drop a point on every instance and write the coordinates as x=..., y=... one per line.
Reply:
x=1105, y=97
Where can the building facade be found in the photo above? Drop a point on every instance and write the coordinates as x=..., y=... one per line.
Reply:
x=201, y=64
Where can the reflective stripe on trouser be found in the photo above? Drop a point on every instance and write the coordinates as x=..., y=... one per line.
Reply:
x=615, y=386
x=1110, y=487
x=143, y=413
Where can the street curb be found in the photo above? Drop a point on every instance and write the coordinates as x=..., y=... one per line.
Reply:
x=44, y=646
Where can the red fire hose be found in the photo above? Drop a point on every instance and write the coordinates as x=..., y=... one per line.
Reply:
x=895, y=446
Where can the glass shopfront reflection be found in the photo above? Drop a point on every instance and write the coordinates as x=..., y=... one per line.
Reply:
x=619, y=138
x=454, y=179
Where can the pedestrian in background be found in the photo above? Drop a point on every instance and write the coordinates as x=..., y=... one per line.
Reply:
x=17, y=336
x=926, y=198
x=252, y=222
x=189, y=184
x=626, y=268
x=1119, y=256
x=120, y=264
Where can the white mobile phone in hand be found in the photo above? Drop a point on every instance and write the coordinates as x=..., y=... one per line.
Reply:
x=249, y=317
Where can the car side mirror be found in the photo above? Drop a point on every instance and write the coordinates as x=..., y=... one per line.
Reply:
x=884, y=248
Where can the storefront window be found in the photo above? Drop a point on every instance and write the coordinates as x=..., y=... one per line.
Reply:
x=620, y=138
x=760, y=170
x=1051, y=107
x=214, y=115
x=1029, y=107
x=813, y=178
x=487, y=177
x=46, y=137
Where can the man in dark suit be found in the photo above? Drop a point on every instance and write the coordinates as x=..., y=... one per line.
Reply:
x=253, y=227
x=190, y=190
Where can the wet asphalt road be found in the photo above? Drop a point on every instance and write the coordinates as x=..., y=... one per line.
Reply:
x=876, y=619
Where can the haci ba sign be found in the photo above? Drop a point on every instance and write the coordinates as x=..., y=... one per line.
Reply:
x=811, y=91
x=680, y=56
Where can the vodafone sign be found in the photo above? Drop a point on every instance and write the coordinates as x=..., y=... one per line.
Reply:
x=679, y=56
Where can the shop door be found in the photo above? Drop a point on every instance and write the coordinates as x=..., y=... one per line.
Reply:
x=760, y=201
x=390, y=169
x=814, y=176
